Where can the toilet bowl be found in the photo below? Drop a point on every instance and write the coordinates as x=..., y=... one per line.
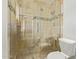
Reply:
x=57, y=55
x=67, y=46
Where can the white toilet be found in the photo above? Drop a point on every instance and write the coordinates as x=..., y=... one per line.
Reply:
x=67, y=46
x=67, y=50
x=57, y=55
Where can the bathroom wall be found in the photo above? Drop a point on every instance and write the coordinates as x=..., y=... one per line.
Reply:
x=70, y=19
x=4, y=30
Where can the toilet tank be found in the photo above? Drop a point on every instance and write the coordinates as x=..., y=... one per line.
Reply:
x=67, y=46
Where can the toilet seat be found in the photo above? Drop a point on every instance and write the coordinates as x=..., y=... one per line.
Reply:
x=57, y=55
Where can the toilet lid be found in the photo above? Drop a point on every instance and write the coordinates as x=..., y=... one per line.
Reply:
x=56, y=55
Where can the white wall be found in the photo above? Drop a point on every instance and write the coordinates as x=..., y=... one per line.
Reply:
x=4, y=30
x=69, y=19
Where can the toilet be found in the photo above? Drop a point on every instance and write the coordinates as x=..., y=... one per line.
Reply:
x=57, y=55
x=67, y=46
x=67, y=50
